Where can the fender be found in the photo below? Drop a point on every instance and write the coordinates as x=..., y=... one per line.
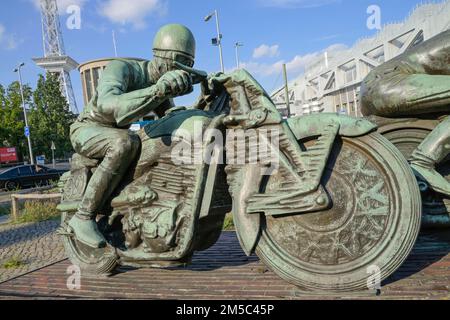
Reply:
x=311, y=125
x=247, y=225
x=428, y=125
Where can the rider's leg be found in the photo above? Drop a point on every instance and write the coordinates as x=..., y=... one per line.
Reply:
x=431, y=152
x=415, y=82
x=396, y=94
x=118, y=149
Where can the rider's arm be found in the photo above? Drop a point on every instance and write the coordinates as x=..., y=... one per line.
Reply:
x=126, y=107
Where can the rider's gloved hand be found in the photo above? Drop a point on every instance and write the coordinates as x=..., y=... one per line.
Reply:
x=175, y=83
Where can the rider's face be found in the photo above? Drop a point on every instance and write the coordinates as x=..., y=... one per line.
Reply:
x=178, y=57
x=166, y=61
x=184, y=59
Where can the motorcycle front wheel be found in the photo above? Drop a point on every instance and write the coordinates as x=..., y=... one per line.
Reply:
x=366, y=234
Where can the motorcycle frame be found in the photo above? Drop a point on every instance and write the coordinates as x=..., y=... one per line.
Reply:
x=248, y=226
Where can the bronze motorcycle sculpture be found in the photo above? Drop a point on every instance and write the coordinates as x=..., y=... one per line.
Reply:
x=407, y=134
x=329, y=199
x=408, y=97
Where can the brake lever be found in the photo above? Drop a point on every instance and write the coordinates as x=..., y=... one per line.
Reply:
x=212, y=90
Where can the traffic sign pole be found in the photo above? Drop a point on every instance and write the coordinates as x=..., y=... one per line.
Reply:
x=53, y=154
x=27, y=129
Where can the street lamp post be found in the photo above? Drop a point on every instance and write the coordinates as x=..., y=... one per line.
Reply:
x=27, y=130
x=236, y=46
x=53, y=147
x=114, y=43
x=219, y=37
x=286, y=91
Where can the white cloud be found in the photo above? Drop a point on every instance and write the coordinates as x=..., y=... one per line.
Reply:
x=329, y=37
x=296, y=3
x=294, y=67
x=62, y=4
x=266, y=51
x=132, y=11
x=8, y=41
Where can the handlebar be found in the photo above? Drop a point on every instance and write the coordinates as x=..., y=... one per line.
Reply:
x=198, y=76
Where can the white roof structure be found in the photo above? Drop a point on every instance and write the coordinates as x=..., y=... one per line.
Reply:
x=332, y=82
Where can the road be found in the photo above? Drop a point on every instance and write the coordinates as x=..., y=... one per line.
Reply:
x=61, y=166
x=6, y=196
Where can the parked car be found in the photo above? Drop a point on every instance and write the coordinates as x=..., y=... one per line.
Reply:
x=28, y=176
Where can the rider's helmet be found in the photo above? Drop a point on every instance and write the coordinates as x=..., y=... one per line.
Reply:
x=175, y=42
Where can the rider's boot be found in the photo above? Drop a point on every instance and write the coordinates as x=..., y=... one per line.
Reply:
x=430, y=153
x=86, y=231
x=83, y=222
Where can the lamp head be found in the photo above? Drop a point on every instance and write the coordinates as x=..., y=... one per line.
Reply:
x=20, y=66
x=208, y=17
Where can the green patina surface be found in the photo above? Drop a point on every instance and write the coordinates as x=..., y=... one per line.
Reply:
x=416, y=83
x=341, y=198
x=127, y=91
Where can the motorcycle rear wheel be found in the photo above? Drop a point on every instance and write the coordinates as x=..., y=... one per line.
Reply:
x=365, y=236
x=436, y=207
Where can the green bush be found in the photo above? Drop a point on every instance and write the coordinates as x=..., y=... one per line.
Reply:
x=37, y=211
x=13, y=263
x=228, y=224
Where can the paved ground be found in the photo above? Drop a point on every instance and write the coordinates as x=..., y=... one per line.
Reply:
x=224, y=272
x=35, y=245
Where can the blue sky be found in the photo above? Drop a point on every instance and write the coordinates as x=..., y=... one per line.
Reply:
x=272, y=31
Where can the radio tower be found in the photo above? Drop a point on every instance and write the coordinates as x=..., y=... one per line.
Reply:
x=55, y=59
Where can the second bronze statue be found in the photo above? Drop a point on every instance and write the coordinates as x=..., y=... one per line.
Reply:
x=415, y=87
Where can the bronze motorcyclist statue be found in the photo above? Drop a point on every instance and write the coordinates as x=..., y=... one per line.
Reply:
x=416, y=83
x=317, y=220
x=128, y=90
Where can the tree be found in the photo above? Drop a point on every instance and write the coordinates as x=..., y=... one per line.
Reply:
x=11, y=117
x=50, y=119
x=3, y=130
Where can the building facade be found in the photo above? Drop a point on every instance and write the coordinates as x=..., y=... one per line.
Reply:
x=332, y=82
